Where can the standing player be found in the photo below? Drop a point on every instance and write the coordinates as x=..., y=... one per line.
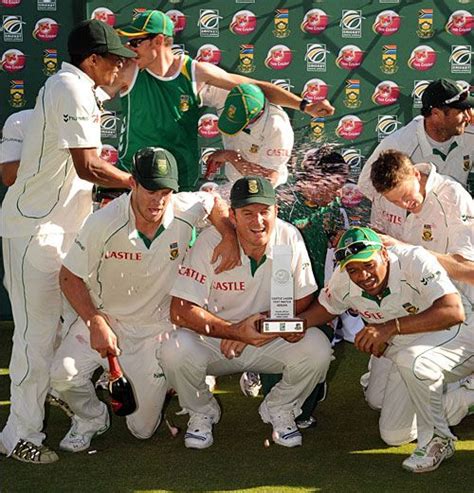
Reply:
x=41, y=213
x=160, y=95
x=413, y=313
x=219, y=313
x=117, y=276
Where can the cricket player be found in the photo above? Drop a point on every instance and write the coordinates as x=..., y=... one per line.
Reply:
x=443, y=135
x=117, y=277
x=41, y=213
x=218, y=313
x=414, y=317
x=160, y=95
x=257, y=135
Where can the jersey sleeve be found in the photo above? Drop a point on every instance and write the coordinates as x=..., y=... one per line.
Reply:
x=78, y=122
x=304, y=280
x=194, y=207
x=195, y=275
x=214, y=97
x=335, y=296
x=278, y=144
x=13, y=134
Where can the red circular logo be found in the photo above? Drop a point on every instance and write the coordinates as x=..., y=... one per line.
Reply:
x=104, y=14
x=387, y=92
x=13, y=60
x=460, y=23
x=387, y=23
x=315, y=90
x=46, y=29
x=349, y=127
x=207, y=126
x=351, y=196
x=315, y=21
x=278, y=57
x=10, y=3
x=179, y=20
x=244, y=22
x=422, y=58
x=209, y=53
x=350, y=57
x=109, y=154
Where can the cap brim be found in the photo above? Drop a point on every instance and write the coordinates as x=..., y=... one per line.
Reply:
x=123, y=52
x=237, y=204
x=363, y=256
x=229, y=127
x=132, y=32
x=154, y=185
x=463, y=105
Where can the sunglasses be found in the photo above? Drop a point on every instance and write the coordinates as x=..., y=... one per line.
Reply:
x=342, y=253
x=461, y=96
x=136, y=42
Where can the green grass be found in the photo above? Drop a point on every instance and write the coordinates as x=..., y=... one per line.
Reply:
x=343, y=454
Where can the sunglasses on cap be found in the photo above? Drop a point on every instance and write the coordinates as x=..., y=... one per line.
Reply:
x=461, y=96
x=342, y=253
x=136, y=42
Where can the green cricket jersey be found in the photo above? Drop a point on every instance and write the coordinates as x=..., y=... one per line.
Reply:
x=163, y=112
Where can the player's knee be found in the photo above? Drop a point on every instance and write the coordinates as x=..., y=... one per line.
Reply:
x=178, y=350
x=419, y=367
x=142, y=428
x=316, y=349
x=374, y=396
x=395, y=438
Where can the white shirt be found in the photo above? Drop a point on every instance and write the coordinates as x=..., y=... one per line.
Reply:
x=13, y=134
x=126, y=279
x=48, y=196
x=416, y=281
x=269, y=143
x=243, y=291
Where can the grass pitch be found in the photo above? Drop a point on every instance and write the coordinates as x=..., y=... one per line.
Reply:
x=343, y=454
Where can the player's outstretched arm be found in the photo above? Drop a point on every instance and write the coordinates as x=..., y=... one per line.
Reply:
x=457, y=267
x=316, y=315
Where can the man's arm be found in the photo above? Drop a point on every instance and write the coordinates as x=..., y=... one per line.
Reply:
x=442, y=314
x=316, y=315
x=102, y=338
x=8, y=172
x=91, y=167
x=207, y=73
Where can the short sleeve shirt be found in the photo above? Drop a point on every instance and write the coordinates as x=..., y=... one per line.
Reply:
x=13, y=135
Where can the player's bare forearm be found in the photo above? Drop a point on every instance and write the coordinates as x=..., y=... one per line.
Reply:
x=457, y=267
x=316, y=315
x=8, y=172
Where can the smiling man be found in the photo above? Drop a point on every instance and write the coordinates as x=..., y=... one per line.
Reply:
x=414, y=316
x=218, y=315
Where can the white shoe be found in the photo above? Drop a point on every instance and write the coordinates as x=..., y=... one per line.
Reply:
x=429, y=457
x=75, y=441
x=468, y=384
x=199, y=432
x=285, y=431
x=307, y=423
x=25, y=451
x=250, y=384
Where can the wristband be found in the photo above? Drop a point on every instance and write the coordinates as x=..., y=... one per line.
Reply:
x=303, y=104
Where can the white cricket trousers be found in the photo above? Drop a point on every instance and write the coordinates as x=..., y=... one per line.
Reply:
x=32, y=280
x=188, y=357
x=75, y=362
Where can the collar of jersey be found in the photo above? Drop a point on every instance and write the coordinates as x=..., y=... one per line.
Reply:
x=425, y=146
x=68, y=67
x=430, y=170
x=170, y=77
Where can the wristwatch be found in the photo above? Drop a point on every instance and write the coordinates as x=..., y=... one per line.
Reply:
x=303, y=104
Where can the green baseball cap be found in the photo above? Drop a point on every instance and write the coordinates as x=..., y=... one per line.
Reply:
x=155, y=168
x=243, y=103
x=93, y=36
x=252, y=190
x=148, y=22
x=447, y=92
x=357, y=245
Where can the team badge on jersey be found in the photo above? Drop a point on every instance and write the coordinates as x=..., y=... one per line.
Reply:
x=174, y=251
x=254, y=148
x=425, y=24
x=460, y=23
x=467, y=163
x=17, y=94
x=411, y=309
x=281, y=23
x=184, y=102
x=352, y=94
x=253, y=186
x=317, y=126
x=427, y=234
x=50, y=61
x=246, y=64
x=461, y=59
x=389, y=59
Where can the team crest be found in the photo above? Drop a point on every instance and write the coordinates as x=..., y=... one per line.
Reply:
x=427, y=234
x=162, y=166
x=253, y=186
x=461, y=59
x=352, y=94
x=411, y=309
x=17, y=94
x=254, y=148
x=184, y=102
x=317, y=125
x=425, y=24
x=281, y=23
x=50, y=61
x=174, y=251
x=246, y=63
x=467, y=163
x=389, y=59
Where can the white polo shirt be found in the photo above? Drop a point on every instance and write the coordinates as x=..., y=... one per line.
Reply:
x=416, y=281
x=413, y=141
x=126, y=279
x=48, y=196
x=245, y=290
x=13, y=134
x=269, y=142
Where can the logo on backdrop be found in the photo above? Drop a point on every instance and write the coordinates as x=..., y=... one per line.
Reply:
x=209, y=53
x=50, y=61
x=315, y=21
x=386, y=125
x=351, y=24
x=425, y=24
x=386, y=93
x=209, y=23
x=46, y=5
x=317, y=125
x=246, y=63
x=353, y=157
x=137, y=11
x=278, y=57
x=12, y=27
x=13, y=61
x=389, y=59
x=207, y=126
x=460, y=23
x=386, y=23
x=419, y=87
x=105, y=15
x=281, y=23
x=461, y=59
x=179, y=49
x=46, y=29
x=283, y=83
x=244, y=22
x=349, y=127
x=352, y=94
x=179, y=20
x=315, y=90
x=422, y=58
x=17, y=94
x=108, y=125
x=205, y=153
x=350, y=57
x=316, y=55
x=10, y=3
x=109, y=154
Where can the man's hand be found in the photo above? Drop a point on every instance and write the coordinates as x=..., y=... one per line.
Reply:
x=228, y=251
x=246, y=331
x=374, y=338
x=322, y=108
x=218, y=159
x=103, y=340
x=232, y=349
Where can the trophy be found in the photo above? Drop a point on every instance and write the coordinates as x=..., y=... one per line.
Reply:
x=282, y=316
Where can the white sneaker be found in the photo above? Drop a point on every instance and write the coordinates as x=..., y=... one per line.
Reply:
x=25, y=451
x=250, y=384
x=285, y=431
x=468, y=384
x=199, y=432
x=75, y=441
x=429, y=457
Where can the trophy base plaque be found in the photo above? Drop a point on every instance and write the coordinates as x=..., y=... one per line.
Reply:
x=281, y=326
